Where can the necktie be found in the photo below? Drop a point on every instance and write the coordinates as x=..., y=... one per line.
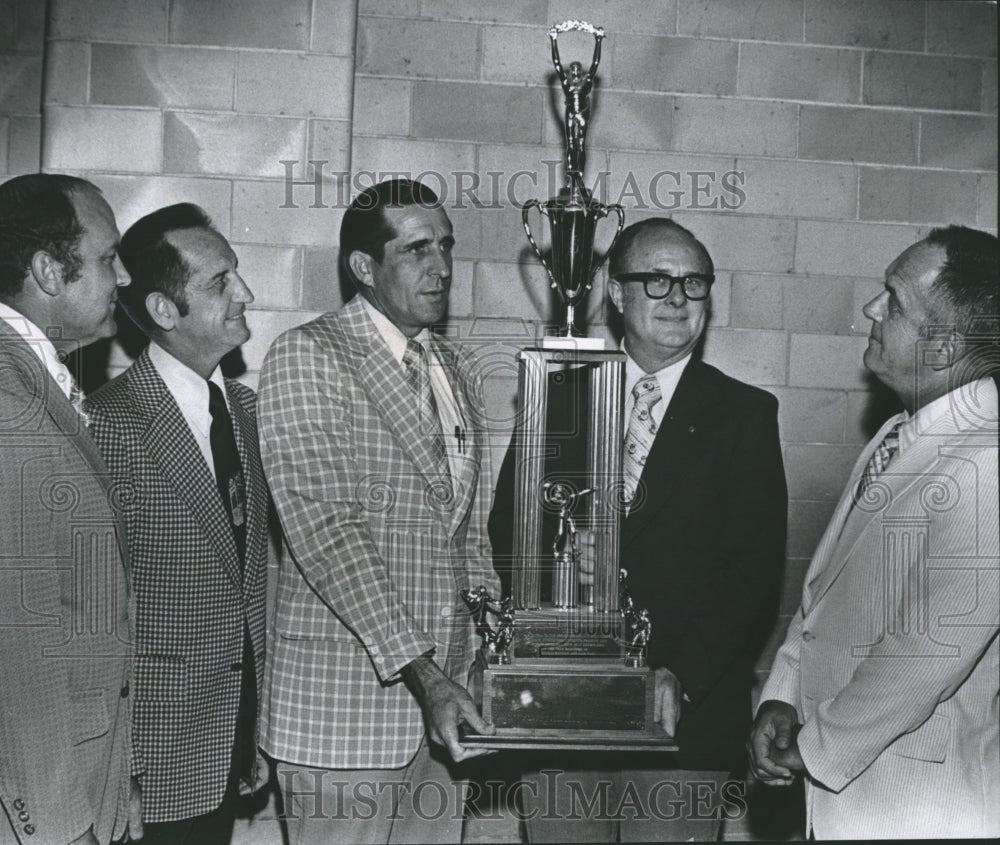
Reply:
x=228, y=470
x=78, y=400
x=418, y=377
x=879, y=460
x=641, y=433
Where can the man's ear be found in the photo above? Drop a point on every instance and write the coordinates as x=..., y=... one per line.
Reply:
x=945, y=351
x=48, y=273
x=361, y=265
x=617, y=295
x=162, y=310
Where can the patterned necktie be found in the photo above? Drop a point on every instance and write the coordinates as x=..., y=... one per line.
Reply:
x=879, y=460
x=228, y=470
x=640, y=435
x=418, y=377
x=78, y=400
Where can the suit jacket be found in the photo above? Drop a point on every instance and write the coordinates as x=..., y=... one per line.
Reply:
x=703, y=546
x=892, y=661
x=375, y=554
x=65, y=639
x=193, y=600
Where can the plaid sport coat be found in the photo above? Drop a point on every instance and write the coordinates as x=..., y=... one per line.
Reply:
x=193, y=601
x=65, y=638
x=375, y=552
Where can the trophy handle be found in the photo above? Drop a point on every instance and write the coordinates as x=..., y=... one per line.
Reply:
x=531, y=239
x=621, y=225
x=581, y=26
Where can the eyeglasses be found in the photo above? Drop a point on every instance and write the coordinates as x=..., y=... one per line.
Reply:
x=659, y=285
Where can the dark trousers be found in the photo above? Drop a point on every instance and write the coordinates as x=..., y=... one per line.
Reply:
x=216, y=826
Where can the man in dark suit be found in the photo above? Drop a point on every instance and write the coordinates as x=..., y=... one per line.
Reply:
x=703, y=542
x=65, y=639
x=182, y=441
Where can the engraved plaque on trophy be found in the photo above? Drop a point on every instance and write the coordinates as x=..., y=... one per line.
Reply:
x=565, y=667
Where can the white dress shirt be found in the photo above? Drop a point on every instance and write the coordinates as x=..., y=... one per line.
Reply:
x=668, y=378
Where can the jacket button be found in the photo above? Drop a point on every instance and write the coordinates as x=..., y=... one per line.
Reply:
x=807, y=636
x=29, y=829
x=236, y=667
x=124, y=692
x=23, y=816
x=18, y=803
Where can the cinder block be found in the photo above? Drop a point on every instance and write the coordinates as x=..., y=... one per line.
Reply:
x=964, y=29
x=776, y=20
x=294, y=83
x=241, y=23
x=24, y=152
x=433, y=162
x=810, y=416
x=800, y=73
x=720, y=305
x=890, y=24
x=381, y=106
x=918, y=196
x=658, y=18
x=126, y=140
x=958, y=140
x=626, y=121
x=649, y=63
x=258, y=217
x=4, y=139
x=322, y=287
x=818, y=472
x=986, y=215
x=806, y=523
x=740, y=243
x=109, y=20
x=754, y=356
x=799, y=189
x=863, y=135
x=122, y=75
x=20, y=83
x=468, y=112
x=989, y=105
x=391, y=8
x=702, y=125
x=522, y=54
x=826, y=361
x=67, y=72
x=133, y=197
x=265, y=326
x=227, y=143
x=512, y=174
x=500, y=236
x=23, y=25
x=822, y=305
x=273, y=273
x=666, y=184
x=827, y=248
x=334, y=27
x=865, y=290
x=460, y=296
x=867, y=410
x=757, y=302
x=513, y=290
x=330, y=141
x=486, y=11
x=928, y=82
x=429, y=49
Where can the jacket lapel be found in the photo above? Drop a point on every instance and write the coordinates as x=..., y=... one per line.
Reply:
x=169, y=442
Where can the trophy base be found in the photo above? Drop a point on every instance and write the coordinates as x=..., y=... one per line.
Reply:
x=589, y=344
x=571, y=704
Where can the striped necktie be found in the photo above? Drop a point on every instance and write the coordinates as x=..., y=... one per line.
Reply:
x=879, y=460
x=418, y=377
x=640, y=435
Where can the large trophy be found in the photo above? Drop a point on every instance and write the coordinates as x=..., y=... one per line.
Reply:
x=564, y=666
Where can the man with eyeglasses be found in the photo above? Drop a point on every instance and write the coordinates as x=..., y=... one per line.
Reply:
x=703, y=542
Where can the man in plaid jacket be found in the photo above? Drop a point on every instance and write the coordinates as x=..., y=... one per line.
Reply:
x=376, y=462
x=195, y=504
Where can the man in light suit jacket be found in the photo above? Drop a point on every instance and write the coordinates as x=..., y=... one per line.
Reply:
x=703, y=543
x=197, y=524
x=372, y=443
x=65, y=639
x=885, y=692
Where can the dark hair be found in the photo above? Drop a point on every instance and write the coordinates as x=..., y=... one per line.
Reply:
x=37, y=215
x=969, y=282
x=154, y=263
x=365, y=227
x=619, y=253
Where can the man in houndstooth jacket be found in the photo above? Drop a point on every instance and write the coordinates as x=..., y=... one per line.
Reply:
x=384, y=510
x=198, y=559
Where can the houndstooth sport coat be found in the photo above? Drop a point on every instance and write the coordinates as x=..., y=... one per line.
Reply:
x=65, y=639
x=193, y=601
x=376, y=552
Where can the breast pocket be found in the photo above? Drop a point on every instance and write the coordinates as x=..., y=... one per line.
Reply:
x=90, y=715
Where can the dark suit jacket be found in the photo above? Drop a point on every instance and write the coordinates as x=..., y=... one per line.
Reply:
x=703, y=548
x=193, y=600
x=65, y=639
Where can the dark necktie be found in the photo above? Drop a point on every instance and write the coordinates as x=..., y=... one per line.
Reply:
x=228, y=470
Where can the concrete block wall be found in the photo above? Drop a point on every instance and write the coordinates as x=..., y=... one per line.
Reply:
x=846, y=129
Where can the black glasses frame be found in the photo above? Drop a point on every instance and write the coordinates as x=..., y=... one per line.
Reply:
x=647, y=278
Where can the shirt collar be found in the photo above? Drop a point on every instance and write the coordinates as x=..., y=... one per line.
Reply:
x=40, y=344
x=189, y=389
x=390, y=333
x=668, y=376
